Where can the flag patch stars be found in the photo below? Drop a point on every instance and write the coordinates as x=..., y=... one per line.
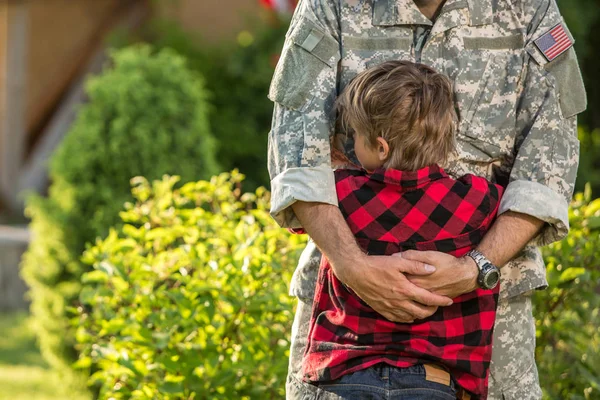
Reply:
x=554, y=42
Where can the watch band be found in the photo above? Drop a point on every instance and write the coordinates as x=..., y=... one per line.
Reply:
x=479, y=258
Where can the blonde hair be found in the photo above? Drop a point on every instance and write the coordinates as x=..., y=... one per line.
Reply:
x=409, y=105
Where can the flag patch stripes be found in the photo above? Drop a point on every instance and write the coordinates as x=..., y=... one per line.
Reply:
x=554, y=42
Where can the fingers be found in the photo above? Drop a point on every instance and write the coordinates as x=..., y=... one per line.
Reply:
x=427, y=298
x=388, y=292
x=399, y=316
x=411, y=267
x=426, y=257
x=410, y=312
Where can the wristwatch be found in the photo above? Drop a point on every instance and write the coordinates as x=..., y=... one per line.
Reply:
x=489, y=274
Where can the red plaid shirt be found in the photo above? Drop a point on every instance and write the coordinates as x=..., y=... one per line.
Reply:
x=391, y=211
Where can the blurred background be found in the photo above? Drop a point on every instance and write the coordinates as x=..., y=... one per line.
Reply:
x=96, y=92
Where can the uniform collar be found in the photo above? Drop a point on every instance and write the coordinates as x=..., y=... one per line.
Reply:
x=408, y=179
x=406, y=12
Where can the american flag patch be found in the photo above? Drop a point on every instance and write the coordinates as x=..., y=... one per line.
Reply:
x=554, y=42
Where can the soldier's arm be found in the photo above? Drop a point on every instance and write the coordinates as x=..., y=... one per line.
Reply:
x=456, y=276
x=303, y=193
x=536, y=202
x=303, y=90
x=547, y=149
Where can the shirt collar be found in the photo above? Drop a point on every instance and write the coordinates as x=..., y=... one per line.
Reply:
x=406, y=12
x=408, y=179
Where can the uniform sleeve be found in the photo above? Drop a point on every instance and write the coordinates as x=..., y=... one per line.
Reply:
x=304, y=91
x=547, y=149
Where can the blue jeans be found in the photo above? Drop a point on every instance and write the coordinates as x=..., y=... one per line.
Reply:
x=380, y=382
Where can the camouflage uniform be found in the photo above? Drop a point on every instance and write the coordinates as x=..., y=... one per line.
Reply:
x=517, y=127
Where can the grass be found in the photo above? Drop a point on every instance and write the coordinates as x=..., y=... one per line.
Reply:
x=23, y=373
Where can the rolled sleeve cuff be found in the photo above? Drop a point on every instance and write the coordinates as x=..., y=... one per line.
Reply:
x=309, y=184
x=541, y=202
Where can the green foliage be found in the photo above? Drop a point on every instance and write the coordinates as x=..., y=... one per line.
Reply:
x=146, y=116
x=589, y=163
x=189, y=299
x=580, y=16
x=568, y=312
x=583, y=20
x=237, y=76
x=240, y=78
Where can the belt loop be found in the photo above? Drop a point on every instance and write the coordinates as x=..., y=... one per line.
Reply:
x=385, y=373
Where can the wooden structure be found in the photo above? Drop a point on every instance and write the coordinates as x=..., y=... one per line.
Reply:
x=13, y=242
x=213, y=20
x=45, y=48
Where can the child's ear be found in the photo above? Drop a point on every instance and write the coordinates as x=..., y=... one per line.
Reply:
x=383, y=150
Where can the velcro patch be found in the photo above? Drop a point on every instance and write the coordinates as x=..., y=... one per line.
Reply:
x=554, y=42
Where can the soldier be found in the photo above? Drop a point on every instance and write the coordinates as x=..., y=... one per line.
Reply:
x=518, y=90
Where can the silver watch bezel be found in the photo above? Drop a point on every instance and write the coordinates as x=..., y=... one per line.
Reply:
x=486, y=268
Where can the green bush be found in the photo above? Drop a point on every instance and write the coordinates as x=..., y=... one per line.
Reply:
x=568, y=312
x=240, y=76
x=146, y=116
x=237, y=75
x=589, y=163
x=189, y=299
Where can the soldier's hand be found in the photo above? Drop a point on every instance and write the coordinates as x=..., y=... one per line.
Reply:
x=381, y=282
x=453, y=276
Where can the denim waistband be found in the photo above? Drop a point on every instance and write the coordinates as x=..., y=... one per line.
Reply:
x=384, y=371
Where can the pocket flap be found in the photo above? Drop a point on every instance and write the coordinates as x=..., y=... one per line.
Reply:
x=312, y=39
x=307, y=53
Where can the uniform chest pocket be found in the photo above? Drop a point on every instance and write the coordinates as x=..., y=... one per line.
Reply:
x=487, y=87
x=307, y=66
x=380, y=50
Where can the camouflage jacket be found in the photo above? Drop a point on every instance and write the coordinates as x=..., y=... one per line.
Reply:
x=517, y=110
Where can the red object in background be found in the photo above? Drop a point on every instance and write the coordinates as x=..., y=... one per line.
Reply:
x=274, y=60
x=280, y=6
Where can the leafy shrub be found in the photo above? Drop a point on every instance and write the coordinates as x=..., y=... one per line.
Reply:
x=146, y=116
x=189, y=299
x=242, y=113
x=589, y=163
x=237, y=75
x=568, y=312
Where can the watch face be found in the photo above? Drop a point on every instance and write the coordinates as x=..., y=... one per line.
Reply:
x=492, y=276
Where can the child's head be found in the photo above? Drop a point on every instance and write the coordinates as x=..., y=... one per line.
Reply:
x=401, y=114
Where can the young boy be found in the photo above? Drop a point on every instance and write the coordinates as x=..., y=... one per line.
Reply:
x=402, y=118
